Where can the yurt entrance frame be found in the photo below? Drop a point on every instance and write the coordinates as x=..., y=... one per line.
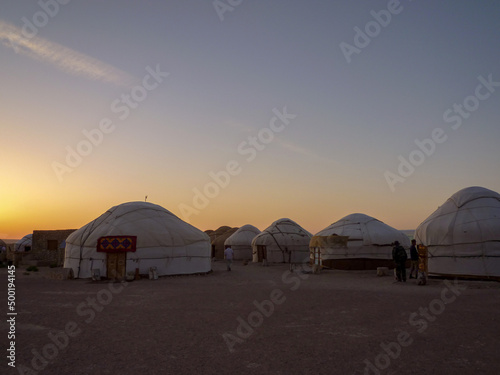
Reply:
x=116, y=248
x=116, y=265
x=261, y=253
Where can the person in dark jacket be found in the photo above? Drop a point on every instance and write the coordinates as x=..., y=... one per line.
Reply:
x=413, y=259
x=399, y=256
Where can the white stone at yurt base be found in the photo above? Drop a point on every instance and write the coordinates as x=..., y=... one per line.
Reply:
x=463, y=235
x=162, y=240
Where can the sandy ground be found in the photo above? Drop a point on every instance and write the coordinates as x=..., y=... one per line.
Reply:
x=337, y=322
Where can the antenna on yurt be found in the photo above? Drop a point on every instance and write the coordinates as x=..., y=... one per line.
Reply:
x=145, y=198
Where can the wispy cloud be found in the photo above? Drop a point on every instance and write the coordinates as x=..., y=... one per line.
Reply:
x=66, y=59
x=303, y=151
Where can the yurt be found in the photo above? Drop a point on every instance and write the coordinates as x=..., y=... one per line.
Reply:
x=137, y=235
x=213, y=234
x=218, y=243
x=463, y=235
x=356, y=242
x=25, y=243
x=284, y=241
x=241, y=242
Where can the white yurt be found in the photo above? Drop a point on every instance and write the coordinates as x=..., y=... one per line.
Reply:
x=463, y=235
x=25, y=243
x=284, y=241
x=137, y=235
x=241, y=242
x=356, y=242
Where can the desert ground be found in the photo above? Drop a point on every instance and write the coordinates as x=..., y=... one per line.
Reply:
x=253, y=320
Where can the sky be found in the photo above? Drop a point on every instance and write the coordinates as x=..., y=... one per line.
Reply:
x=234, y=112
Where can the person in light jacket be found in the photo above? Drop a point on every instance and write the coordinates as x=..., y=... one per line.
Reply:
x=228, y=255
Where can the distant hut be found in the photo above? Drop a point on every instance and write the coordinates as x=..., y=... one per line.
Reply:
x=24, y=244
x=356, y=242
x=284, y=241
x=48, y=246
x=463, y=235
x=241, y=242
x=137, y=236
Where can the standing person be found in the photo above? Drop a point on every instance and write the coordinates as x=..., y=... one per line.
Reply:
x=228, y=255
x=399, y=256
x=413, y=259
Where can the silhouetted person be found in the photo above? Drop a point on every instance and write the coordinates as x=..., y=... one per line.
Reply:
x=413, y=259
x=399, y=256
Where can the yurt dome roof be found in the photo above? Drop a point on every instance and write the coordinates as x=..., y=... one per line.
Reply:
x=152, y=224
x=366, y=228
x=243, y=236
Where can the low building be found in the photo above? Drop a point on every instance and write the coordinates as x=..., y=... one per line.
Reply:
x=48, y=246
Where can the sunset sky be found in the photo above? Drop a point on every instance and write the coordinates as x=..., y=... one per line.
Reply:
x=316, y=109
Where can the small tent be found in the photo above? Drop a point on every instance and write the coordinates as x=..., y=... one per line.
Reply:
x=463, y=235
x=241, y=242
x=25, y=243
x=137, y=235
x=356, y=242
x=284, y=241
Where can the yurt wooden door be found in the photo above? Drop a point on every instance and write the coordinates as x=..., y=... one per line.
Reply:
x=261, y=252
x=116, y=265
